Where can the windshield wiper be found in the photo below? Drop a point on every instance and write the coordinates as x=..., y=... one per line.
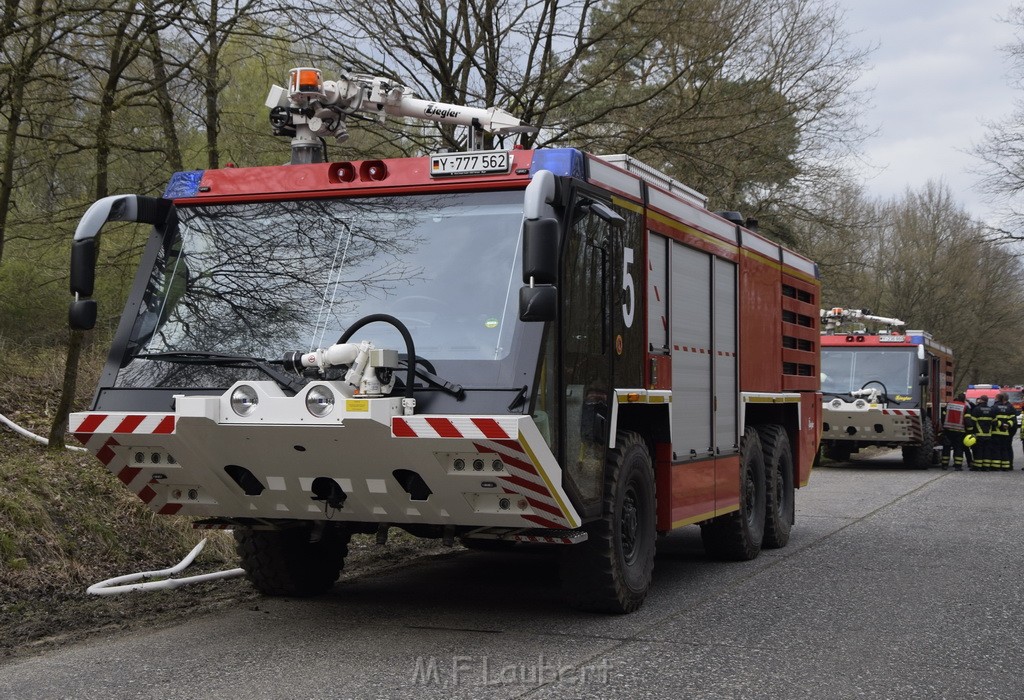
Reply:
x=286, y=381
x=432, y=379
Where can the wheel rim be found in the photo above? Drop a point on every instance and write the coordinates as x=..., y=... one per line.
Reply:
x=629, y=528
x=750, y=489
x=780, y=489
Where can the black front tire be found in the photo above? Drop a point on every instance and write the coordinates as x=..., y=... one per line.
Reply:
x=780, y=496
x=611, y=572
x=738, y=536
x=838, y=452
x=298, y=561
x=921, y=456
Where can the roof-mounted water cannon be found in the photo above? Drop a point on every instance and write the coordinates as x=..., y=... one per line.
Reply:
x=310, y=109
x=832, y=319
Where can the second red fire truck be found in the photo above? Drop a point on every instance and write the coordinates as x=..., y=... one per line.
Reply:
x=500, y=346
x=884, y=388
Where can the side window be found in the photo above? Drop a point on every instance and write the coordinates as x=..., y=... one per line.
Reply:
x=586, y=358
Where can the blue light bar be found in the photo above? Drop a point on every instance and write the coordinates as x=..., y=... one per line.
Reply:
x=184, y=184
x=917, y=339
x=560, y=161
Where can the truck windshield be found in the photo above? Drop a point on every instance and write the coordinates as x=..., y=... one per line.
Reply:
x=260, y=279
x=844, y=370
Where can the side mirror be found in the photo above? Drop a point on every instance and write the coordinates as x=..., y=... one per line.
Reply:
x=129, y=207
x=82, y=315
x=540, y=251
x=83, y=266
x=538, y=303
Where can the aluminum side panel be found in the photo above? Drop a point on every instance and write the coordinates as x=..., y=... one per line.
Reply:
x=691, y=352
x=725, y=359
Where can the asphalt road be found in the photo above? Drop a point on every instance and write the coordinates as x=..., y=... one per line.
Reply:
x=895, y=584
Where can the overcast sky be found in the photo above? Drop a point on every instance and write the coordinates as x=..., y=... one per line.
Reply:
x=938, y=73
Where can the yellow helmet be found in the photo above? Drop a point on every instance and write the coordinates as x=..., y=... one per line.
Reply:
x=969, y=440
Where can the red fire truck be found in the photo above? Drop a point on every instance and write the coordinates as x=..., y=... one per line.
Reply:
x=885, y=389
x=499, y=346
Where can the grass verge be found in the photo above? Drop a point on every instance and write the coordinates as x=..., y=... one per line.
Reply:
x=66, y=523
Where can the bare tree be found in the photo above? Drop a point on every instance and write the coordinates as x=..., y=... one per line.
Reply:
x=747, y=102
x=27, y=35
x=517, y=55
x=921, y=258
x=1001, y=152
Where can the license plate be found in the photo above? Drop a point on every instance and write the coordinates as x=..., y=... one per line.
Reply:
x=471, y=163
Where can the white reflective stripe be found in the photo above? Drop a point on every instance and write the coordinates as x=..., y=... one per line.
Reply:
x=766, y=397
x=689, y=215
x=798, y=262
x=612, y=177
x=754, y=242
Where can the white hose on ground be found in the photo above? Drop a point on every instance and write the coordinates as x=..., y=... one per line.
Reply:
x=122, y=584
x=32, y=436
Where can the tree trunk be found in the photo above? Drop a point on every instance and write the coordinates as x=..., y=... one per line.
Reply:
x=104, y=124
x=212, y=80
x=10, y=142
x=161, y=81
x=21, y=73
x=59, y=427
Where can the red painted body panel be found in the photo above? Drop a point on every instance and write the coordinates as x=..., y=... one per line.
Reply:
x=760, y=316
x=727, y=480
x=329, y=180
x=809, y=435
x=659, y=372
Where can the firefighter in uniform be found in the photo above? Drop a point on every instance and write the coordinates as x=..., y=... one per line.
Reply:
x=953, y=432
x=979, y=424
x=1004, y=426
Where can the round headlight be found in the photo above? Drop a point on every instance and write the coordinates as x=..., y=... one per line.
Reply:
x=244, y=400
x=836, y=403
x=320, y=401
x=860, y=403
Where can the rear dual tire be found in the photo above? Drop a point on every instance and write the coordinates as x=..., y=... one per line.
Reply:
x=780, y=492
x=738, y=536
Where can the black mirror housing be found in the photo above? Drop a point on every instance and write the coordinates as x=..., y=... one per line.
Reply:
x=540, y=251
x=538, y=303
x=83, y=267
x=82, y=315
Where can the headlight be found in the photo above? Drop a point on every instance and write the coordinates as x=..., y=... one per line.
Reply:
x=244, y=400
x=320, y=401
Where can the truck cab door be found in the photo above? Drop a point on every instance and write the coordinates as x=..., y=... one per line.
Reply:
x=585, y=353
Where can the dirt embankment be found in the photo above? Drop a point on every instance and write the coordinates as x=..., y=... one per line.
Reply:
x=66, y=523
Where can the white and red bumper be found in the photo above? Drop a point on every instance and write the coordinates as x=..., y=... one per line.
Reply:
x=861, y=421
x=481, y=471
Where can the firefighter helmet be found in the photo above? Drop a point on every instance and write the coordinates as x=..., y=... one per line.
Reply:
x=969, y=440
